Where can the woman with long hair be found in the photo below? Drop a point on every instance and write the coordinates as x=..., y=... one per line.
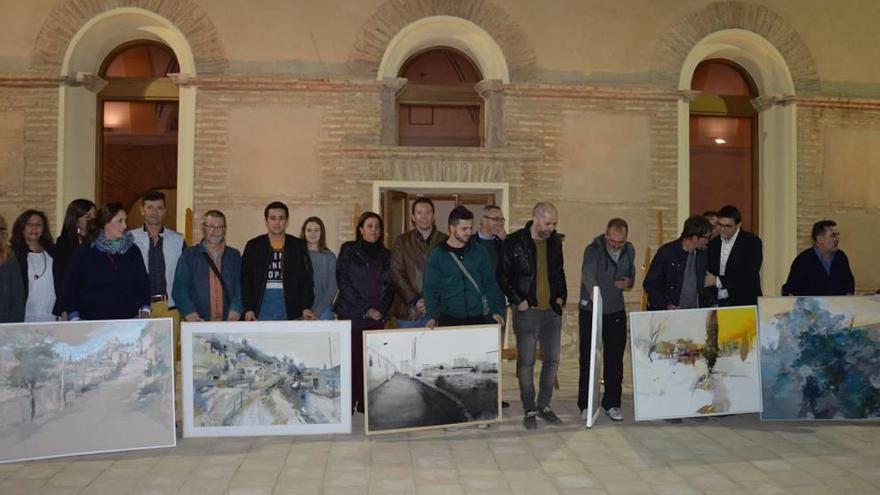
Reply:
x=106, y=279
x=11, y=286
x=323, y=266
x=74, y=231
x=35, y=252
x=363, y=273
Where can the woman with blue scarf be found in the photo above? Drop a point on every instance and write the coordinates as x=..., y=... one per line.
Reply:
x=106, y=279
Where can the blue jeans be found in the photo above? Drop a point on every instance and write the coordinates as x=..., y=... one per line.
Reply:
x=273, y=307
x=534, y=326
x=419, y=323
x=326, y=313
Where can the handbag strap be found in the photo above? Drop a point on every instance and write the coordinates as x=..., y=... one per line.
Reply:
x=467, y=274
x=219, y=277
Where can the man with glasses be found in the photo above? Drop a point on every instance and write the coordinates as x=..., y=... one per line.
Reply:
x=492, y=234
x=206, y=283
x=677, y=275
x=735, y=258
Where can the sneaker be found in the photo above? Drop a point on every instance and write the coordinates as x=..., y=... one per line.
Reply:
x=505, y=404
x=615, y=414
x=549, y=416
x=529, y=421
x=484, y=426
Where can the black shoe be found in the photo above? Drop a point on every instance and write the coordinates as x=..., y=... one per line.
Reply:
x=549, y=416
x=674, y=421
x=529, y=421
x=505, y=404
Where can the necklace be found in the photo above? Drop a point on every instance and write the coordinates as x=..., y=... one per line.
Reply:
x=45, y=265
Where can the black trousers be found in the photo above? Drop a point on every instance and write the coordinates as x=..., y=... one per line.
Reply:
x=613, y=346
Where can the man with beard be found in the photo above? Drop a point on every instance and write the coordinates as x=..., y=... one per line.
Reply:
x=609, y=263
x=822, y=269
x=460, y=286
x=534, y=282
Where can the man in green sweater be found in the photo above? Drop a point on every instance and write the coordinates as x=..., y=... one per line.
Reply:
x=459, y=285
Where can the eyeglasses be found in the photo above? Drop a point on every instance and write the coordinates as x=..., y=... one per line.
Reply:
x=214, y=227
x=34, y=224
x=496, y=219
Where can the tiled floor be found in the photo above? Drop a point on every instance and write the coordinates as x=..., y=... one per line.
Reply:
x=733, y=455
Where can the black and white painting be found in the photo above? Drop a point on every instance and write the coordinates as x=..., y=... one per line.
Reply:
x=421, y=379
x=266, y=378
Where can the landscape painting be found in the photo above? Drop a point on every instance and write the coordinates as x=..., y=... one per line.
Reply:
x=266, y=378
x=820, y=358
x=695, y=362
x=593, y=394
x=421, y=378
x=84, y=387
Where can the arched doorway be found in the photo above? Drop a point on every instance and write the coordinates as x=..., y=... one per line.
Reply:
x=137, y=127
x=723, y=133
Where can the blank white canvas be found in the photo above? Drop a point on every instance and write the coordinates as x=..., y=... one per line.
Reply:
x=593, y=402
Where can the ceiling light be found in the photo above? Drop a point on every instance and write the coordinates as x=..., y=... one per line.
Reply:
x=720, y=141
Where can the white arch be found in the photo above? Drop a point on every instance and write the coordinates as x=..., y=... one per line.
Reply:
x=777, y=142
x=444, y=30
x=78, y=105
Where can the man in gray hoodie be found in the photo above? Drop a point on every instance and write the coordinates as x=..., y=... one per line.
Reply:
x=609, y=262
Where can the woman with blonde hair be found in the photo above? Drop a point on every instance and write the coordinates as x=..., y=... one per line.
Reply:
x=323, y=266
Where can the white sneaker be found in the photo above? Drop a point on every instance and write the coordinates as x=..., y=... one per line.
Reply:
x=615, y=414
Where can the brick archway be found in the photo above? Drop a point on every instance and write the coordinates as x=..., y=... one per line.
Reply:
x=677, y=43
x=63, y=23
x=393, y=15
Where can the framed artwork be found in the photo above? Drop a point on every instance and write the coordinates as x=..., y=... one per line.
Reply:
x=593, y=397
x=820, y=358
x=85, y=387
x=420, y=379
x=266, y=378
x=695, y=362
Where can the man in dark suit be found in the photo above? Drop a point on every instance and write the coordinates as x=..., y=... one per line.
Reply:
x=735, y=258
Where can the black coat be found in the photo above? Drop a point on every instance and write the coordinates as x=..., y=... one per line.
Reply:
x=298, y=281
x=21, y=253
x=807, y=276
x=742, y=274
x=105, y=287
x=519, y=267
x=664, y=278
x=351, y=277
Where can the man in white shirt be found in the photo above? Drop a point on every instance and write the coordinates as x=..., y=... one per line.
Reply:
x=735, y=258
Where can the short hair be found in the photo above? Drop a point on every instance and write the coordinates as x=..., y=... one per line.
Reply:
x=710, y=213
x=730, y=211
x=154, y=195
x=421, y=200
x=322, y=241
x=276, y=205
x=696, y=225
x=543, y=208
x=17, y=237
x=819, y=228
x=458, y=214
x=216, y=214
x=488, y=209
x=617, y=224
x=363, y=219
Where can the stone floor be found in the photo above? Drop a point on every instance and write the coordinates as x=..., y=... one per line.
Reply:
x=732, y=455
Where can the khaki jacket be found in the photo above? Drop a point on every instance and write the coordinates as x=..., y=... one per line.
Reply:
x=408, y=259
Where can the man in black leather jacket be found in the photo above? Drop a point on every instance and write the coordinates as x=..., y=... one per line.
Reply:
x=677, y=276
x=533, y=280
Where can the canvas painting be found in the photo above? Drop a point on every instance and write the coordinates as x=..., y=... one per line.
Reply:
x=266, y=378
x=85, y=387
x=420, y=378
x=820, y=357
x=695, y=362
x=593, y=401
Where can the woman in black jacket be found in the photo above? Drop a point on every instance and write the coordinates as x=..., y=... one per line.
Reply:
x=363, y=274
x=36, y=254
x=74, y=230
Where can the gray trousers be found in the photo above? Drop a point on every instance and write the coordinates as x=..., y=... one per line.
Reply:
x=531, y=327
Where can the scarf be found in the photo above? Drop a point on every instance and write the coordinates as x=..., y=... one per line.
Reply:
x=118, y=246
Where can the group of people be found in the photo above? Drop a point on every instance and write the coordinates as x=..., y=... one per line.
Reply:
x=98, y=269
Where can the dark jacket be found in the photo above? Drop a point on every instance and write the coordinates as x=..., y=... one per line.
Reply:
x=664, y=278
x=192, y=286
x=742, y=274
x=299, y=293
x=351, y=277
x=21, y=253
x=408, y=268
x=12, y=298
x=100, y=286
x=807, y=276
x=495, y=248
x=518, y=277
x=449, y=292
x=600, y=269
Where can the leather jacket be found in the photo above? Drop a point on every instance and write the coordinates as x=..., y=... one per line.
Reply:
x=519, y=266
x=408, y=259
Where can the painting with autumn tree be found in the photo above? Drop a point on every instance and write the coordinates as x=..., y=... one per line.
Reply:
x=697, y=362
x=820, y=357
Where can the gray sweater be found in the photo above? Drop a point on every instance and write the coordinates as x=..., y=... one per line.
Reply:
x=324, y=267
x=600, y=269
